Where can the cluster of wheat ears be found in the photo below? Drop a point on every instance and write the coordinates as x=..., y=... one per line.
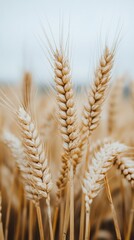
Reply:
x=65, y=171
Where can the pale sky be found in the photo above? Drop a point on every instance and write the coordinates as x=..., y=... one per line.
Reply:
x=92, y=24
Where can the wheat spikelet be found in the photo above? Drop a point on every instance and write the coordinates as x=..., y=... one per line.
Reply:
x=33, y=148
x=96, y=97
x=126, y=167
x=96, y=173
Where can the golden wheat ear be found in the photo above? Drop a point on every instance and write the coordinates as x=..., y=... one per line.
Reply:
x=126, y=167
x=1, y=224
x=95, y=175
x=96, y=96
x=40, y=182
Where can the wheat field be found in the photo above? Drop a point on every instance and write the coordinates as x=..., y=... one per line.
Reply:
x=67, y=155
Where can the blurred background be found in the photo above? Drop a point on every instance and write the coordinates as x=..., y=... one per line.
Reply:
x=92, y=24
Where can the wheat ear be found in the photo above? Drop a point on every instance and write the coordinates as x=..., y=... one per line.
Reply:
x=68, y=125
x=96, y=96
x=126, y=167
x=40, y=177
x=93, y=107
x=1, y=224
x=95, y=175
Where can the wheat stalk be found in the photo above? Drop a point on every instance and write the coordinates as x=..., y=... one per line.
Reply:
x=68, y=126
x=1, y=224
x=93, y=107
x=95, y=175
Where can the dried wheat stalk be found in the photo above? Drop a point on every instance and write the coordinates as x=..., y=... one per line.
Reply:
x=1, y=224
x=68, y=126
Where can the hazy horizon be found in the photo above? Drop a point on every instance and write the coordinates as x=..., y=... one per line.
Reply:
x=92, y=23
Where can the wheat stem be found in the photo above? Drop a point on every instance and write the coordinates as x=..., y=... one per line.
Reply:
x=19, y=214
x=55, y=218
x=66, y=216
x=87, y=226
x=131, y=218
x=9, y=204
x=82, y=217
x=116, y=225
x=61, y=218
x=24, y=215
x=71, y=203
x=1, y=224
x=49, y=218
x=30, y=233
x=40, y=224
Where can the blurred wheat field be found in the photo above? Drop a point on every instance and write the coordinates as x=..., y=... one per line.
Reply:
x=67, y=155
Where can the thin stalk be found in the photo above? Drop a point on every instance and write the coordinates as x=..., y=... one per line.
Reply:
x=49, y=218
x=30, y=233
x=82, y=217
x=1, y=231
x=19, y=213
x=24, y=214
x=66, y=216
x=116, y=225
x=71, y=203
x=123, y=206
x=40, y=224
x=9, y=204
x=61, y=218
x=56, y=211
x=1, y=224
x=131, y=218
x=87, y=227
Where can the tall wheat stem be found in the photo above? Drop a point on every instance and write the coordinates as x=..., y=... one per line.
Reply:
x=56, y=211
x=116, y=225
x=1, y=225
x=131, y=217
x=87, y=227
x=9, y=204
x=66, y=216
x=82, y=217
x=61, y=218
x=40, y=224
x=30, y=234
x=71, y=203
x=49, y=218
x=24, y=217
